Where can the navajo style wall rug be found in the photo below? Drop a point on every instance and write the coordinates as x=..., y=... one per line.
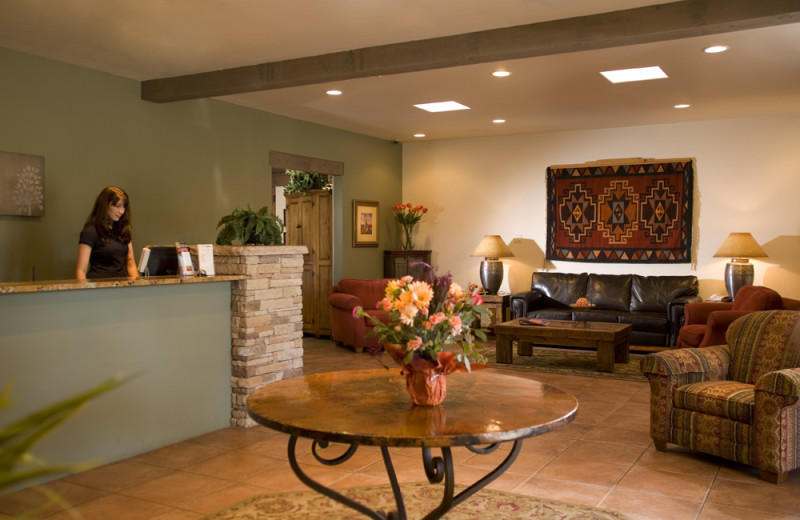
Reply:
x=637, y=211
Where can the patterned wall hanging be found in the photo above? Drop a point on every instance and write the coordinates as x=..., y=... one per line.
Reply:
x=632, y=211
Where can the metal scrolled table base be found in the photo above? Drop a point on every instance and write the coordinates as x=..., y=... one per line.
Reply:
x=436, y=470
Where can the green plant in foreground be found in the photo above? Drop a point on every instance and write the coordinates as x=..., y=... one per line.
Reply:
x=18, y=466
x=250, y=227
x=303, y=182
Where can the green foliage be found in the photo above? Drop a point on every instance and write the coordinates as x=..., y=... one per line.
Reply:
x=17, y=465
x=303, y=182
x=250, y=227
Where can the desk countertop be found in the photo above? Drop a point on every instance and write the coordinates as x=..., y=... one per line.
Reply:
x=100, y=283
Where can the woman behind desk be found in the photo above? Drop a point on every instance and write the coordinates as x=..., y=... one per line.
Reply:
x=105, y=249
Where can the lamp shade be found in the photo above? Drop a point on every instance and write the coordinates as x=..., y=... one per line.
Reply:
x=492, y=246
x=740, y=245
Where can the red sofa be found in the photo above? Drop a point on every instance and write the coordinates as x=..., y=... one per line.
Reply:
x=345, y=296
x=706, y=322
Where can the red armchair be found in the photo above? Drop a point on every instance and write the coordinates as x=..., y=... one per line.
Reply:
x=345, y=296
x=706, y=322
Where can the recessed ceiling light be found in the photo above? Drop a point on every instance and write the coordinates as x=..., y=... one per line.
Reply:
x=501, y=73
x=640, y=74
x=419, y=135
x=498, y=121
x=442, y=106
x=714, y=49
x=334, y=92
x=684, y=105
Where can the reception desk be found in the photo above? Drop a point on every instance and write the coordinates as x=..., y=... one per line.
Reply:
x=194, y=346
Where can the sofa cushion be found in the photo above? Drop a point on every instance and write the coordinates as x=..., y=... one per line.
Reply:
x=551, y=314
x=595, y=314
x=729, y=399
x=562, y=288
x=609, y=291
x=653, y=293
x=646, y=321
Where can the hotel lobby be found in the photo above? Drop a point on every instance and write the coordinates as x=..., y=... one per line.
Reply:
x=74, y=96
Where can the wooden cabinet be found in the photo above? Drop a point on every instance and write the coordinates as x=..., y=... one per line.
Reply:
x=397, y=264
x=309, y=223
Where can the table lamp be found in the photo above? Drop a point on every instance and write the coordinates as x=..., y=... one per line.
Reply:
x=739, y=247
x=491, y=248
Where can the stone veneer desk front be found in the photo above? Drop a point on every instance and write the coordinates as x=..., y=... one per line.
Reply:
x=200, y=344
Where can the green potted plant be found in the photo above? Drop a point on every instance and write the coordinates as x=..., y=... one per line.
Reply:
x=250, y=227
x=303, y=182
x=18, y=466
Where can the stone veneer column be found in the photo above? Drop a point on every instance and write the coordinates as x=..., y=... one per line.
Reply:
x=266, y=318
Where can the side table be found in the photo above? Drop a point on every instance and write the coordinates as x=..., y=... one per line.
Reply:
x=499, y=311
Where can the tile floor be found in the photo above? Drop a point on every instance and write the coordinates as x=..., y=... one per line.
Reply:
x=604, y=458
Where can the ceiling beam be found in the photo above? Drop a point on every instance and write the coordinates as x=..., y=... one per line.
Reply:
x=683, y=19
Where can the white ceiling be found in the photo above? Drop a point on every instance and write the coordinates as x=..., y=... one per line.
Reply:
x=148, y=39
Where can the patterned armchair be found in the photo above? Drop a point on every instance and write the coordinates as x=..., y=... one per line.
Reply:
x=739, y=401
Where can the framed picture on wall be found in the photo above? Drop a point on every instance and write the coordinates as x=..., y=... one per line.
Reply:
x=365, y=223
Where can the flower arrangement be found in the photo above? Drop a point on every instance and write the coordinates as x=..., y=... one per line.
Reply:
x=408, y=215
x=427, y=317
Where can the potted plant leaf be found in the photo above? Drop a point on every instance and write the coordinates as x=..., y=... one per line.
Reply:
x=250, y=227
x=303, y=182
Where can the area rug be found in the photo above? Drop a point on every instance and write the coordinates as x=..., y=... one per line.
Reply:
x=564, y=361
x=419, y=498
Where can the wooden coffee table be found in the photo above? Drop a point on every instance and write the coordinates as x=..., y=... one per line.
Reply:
x=610, y=339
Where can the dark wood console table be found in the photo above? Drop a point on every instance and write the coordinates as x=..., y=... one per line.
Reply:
x=397, y=264
x=372, y=408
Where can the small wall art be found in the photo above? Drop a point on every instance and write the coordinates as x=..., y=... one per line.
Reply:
x=21, y=184
x=365, y=223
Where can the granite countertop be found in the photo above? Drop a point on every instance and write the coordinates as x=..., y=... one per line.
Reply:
x=101, y=283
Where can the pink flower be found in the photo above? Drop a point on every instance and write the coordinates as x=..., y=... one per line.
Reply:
x=477, y=299
x=357, y=312
x=455, y=322
x=414, y=344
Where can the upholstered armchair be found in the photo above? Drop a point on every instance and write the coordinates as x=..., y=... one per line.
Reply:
x=345, y=296
x=739, y=401
x=705, y=323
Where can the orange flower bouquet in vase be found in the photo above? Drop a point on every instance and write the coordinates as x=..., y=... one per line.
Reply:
x=430, y=332
x=408, y=215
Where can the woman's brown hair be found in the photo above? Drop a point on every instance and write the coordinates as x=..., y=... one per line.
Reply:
x=107, y=228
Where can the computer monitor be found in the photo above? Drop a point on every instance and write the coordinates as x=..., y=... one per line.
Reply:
x=162, y=261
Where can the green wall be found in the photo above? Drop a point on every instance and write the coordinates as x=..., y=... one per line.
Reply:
x=183, y=164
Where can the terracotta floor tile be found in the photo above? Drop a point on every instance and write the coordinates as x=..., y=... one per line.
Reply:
x=685, y=486
x=772, y=499
x=604, y=452
x=223, y=498
x=619, y=436
x=680, y=460
x=282, y=478
x=586, y=472
x=717, y=512
x=525, y=463
x=26, y=500
x=178, y=514
x=645, y=506
x=177, y=488
x=178, y=456
x=573, y=492
x=234, y=465
x=118, y=507
x=118, y=476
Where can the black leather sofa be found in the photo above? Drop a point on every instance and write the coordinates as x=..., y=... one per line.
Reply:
x=653, y=305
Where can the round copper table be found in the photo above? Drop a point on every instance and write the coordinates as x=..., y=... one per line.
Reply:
x=371, y=407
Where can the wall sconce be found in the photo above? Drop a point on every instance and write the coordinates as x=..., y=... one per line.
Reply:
x=492, y=248
x=739, y=247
